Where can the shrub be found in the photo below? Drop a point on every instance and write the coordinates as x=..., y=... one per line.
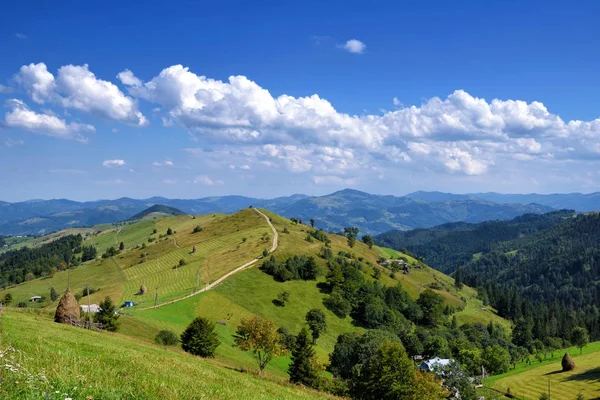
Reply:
x=265, y=252
x=326, y=253
x=182, y=262
x=286, y=338
x=197, y=229
x=53, y=294
x=22, y=304
x=166, y=338
x=282, y=298
x=285, y=230
x=337, y=304
x=200, y=338
x=169, y=231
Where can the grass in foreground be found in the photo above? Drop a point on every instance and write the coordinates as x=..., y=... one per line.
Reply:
x=69, y=362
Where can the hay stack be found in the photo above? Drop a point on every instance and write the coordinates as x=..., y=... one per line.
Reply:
x=143, y=289
x=195, y=249
x=567, y=363
x=68, y=308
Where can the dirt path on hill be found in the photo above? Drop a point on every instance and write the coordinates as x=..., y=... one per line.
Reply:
x=227, y=275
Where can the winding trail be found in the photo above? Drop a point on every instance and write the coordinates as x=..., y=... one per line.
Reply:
x=227, y=275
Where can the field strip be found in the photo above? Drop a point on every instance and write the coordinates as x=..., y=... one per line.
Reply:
x=227, y=275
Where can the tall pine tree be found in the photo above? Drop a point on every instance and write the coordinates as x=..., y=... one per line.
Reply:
x=301, y=370
x=458, y=278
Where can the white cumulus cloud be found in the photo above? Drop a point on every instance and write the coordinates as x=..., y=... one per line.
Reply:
x=354, y=46
x=22, y=117
x=75, y=86
x=113, y=163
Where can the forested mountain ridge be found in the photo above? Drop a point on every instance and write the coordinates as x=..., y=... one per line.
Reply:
x=540, y=271
x=576, y=201
x=449, y=245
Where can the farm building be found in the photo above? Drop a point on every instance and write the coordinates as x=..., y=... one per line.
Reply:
x=91, y=308
x=429, y=365
x=35, y=299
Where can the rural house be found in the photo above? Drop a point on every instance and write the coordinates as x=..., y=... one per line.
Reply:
x=93, y=308
x=429, y=365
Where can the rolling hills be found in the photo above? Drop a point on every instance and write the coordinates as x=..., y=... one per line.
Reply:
x=224, y=243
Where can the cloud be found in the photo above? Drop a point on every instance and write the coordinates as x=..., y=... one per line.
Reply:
x=21, y=36
x=78, y=88
x=117, y=181
x=9, y=142
x=245, y=166
x=37, y=81
x=354, y=46
x=333, y=180
x=127, y=78
x=21, y=116
x=169, y=182
x=167, y=163
x=205, y=180
x=113, y=163
x=243, y=124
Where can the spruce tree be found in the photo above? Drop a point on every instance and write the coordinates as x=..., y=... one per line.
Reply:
x=301, y=369
x=106, y=315
x=458, y=278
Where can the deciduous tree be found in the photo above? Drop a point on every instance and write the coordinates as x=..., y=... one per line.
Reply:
x=259, y=336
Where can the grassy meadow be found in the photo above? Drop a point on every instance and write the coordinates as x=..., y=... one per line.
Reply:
x=528, y=381
x=42, y=359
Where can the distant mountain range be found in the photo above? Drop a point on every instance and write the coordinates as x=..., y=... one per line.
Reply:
x=372, y=214
x=571, y=201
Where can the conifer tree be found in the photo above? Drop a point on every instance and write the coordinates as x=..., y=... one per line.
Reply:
x=301, y=369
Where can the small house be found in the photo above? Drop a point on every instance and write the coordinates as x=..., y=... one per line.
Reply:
x=429, y=365
x=92, y=308
x=35, y=299
x=128, y=304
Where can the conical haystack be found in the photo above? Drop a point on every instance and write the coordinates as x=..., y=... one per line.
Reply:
x=143, y=289
x=68, y=308
x=567, y=363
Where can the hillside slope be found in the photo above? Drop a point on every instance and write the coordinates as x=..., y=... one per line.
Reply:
x=68, y=362
x=224, y=243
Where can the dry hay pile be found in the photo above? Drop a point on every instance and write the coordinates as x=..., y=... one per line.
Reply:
x=143, y=289
x=567, y=363
x=68, y=309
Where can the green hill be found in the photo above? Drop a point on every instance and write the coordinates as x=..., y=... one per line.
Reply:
x=155, y=211
x=183, y=266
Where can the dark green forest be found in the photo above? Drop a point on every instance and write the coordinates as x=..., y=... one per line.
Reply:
x=540, y=271
x=17, y=266
x=447, y=246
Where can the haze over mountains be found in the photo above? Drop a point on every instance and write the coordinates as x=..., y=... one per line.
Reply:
x=372, y=214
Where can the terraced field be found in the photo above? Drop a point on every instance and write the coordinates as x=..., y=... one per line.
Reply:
x=174, y=281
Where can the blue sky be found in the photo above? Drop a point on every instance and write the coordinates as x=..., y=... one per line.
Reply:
x=102, y=100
